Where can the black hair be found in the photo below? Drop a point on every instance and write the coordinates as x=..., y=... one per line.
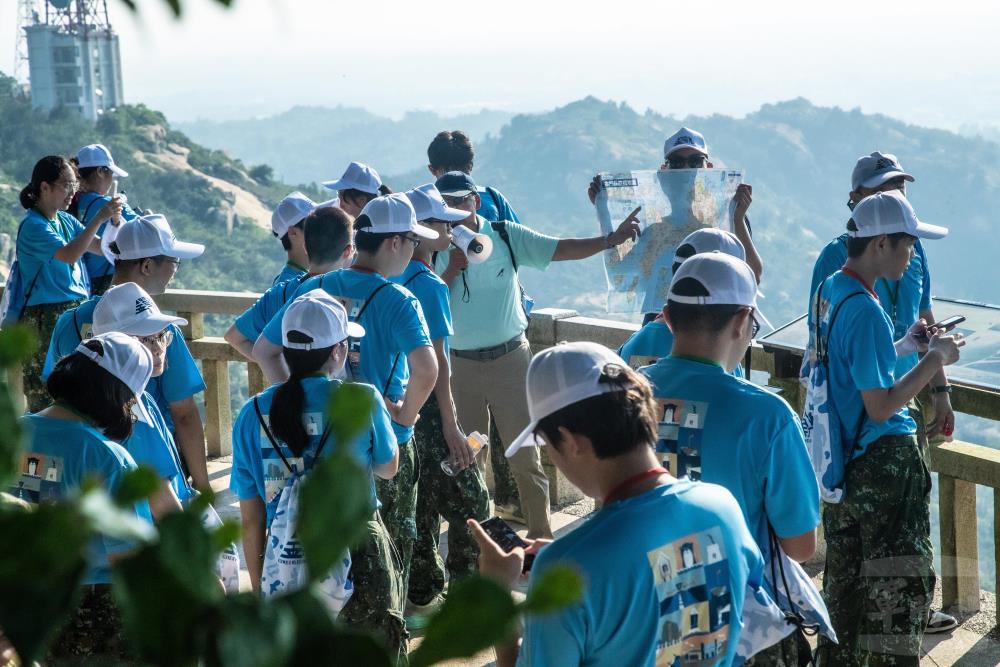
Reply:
x=94, y=392
x=286, y=243
x=128, y=264
x=328, y=232
x=289, y=400
x=684, y=251
x=695, y=318
x=451, y=151
x=856, y=245
x=617, y=422
x=354, y=194
x=366, y=241
x=47, y=170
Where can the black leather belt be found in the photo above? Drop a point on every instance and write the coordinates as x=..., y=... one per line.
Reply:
x=491, y=353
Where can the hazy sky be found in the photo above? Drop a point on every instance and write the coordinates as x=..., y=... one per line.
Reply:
x=931, y=63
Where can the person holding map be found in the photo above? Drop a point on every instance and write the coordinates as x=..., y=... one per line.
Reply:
x=905, y=301
x=489, y=351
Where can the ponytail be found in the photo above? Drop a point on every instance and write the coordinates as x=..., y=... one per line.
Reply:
x=289, y=399
x=47, y=170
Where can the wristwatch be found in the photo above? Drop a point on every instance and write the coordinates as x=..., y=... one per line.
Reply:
x=941, y=389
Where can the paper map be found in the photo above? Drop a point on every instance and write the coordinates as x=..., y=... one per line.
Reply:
x=674, y=204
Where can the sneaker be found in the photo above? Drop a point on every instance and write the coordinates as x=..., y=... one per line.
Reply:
x=510, y=513
x=418, y=615
x=938, y=621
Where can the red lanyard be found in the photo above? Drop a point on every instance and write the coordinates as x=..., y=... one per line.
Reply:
x=635, y=480
x=854, y=274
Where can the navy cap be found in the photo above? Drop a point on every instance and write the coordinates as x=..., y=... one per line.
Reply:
x=455, y=184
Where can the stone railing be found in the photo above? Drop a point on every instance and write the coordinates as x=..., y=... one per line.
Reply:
x=960, y=465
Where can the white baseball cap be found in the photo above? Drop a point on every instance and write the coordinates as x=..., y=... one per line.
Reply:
x=873, y=170
x=321, y=318
x=150, y=236
x=685, y=138
x=429, y=205
x=129, y=309
x=890, y=213
x=393, y=214
x=358, y=176
x=707, y=240
x=125, y=358
x=97, y=155
x=727, y=280
x=561, y=376
x=329, y=203
x=290, y=211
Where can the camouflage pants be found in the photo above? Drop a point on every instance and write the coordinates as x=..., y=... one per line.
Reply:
x=42, y=319
x=879, y=577
x=399, y=506
x=783, y=654
x=504, y=486
x=94, y=630
x=457, y=498
x=377, y=603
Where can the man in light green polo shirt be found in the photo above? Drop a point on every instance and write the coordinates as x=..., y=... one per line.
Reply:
x=489, y=352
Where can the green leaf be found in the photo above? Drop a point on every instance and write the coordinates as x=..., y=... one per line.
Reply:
x=558, y=587
x=11, y=437
x=254, y=633
x=349, y=411
x=335, y=506
x=201, y=502
x=477, y=613
x=17, y=343
x=136, y=485
x=42, y=563
x=109, y=519
x=226, y=534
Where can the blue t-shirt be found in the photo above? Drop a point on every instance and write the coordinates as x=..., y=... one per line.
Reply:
x=181, y=379
x=651, y=343
x=495, y=208
x=61, y=454
x=903, y=300
x=665, y=576
x=727, y=431
x=288, y=272
x=861, y=357
x=37, y=243
x=253, y=320
x=394, y=326
x=89, y=205
x=152, y=444
x=432, y=293
x=258, y=470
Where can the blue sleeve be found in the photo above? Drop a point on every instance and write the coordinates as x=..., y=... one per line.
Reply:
x=791, y=498
x=505, y=211
x=383, y=437
x=553, y=639
x=39, y=241
x=181, y=379
x=272, y=330
x=867, y=344
x=246, y=454
x=409, y=328
x=433, y=297
x=53, y=355
x=830, y=260
x=925, y=294
x=253, y=320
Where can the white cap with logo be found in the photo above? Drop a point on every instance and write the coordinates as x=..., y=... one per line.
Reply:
x=129, y=309
x=357, y=176
x=429, y=205
x=685, y=138
x=319, y=317
x=561, y=376
x=97, y=155
x=873, y=170
x=707, y=240
x=290, y=211
x=726, y=280
x=891, y=213
x=393, y=214
x=149, y=236
x=125, y=358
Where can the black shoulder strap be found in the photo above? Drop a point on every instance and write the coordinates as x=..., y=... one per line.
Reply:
x=415, y=276
x=500, y=227
x=395, y=360
x=87, y=210
x=371, y=296
x=76, y=326
x=274, y=442
x=31, y=287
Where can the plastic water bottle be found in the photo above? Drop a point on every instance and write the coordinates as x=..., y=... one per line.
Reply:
x=476, y=441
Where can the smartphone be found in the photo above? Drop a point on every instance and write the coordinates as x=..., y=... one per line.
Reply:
x=945, y=325
x=501, y=533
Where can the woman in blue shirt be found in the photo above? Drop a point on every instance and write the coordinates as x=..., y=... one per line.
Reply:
x=50, y=244
x=96, y=390
x=284, y=428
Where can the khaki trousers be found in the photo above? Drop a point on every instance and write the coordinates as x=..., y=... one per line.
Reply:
x=497, y=386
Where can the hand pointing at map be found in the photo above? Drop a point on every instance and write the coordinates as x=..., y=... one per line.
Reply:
x=627, y=231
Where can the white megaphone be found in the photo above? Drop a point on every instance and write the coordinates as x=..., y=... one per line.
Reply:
x=477, y=247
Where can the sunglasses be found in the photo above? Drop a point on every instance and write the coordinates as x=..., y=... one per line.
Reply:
x=689, y=162
x=454, y=201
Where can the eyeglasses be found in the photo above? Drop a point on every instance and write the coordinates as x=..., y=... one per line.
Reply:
x=897, y=183
x=689, y=162
x=755, y=326
x=412, y=239
x=454, y=201
x=68, y=186
x=162, y=339
x=172, y=260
